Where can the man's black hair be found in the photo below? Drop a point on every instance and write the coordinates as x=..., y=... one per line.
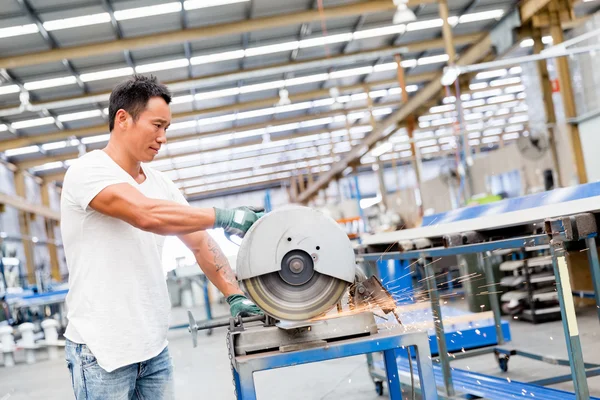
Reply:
x=133, y=95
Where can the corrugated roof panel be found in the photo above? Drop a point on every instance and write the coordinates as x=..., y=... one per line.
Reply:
x=93, y=63
x=9, y=7
x=267, y=8
x=84, y=35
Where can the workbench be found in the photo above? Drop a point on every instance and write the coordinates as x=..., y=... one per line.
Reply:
x=388, y=342
x=564, y=215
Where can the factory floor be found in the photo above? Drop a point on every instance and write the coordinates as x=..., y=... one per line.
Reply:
x=204, y=373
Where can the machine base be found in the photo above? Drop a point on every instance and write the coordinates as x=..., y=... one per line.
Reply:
x=257, y=339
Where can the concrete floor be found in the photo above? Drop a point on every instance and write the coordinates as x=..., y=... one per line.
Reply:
x=204, y=372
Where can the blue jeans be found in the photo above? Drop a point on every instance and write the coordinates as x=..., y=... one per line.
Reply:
x=148, y=380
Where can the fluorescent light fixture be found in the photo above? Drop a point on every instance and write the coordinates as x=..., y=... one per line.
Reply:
x=481, y=16
x=443, y=121
x=506, y=81
x=182, y=99
x=514, y=128
x=473, y=116
x=420, y=25
x=492, y=132
x=306, y=79
x=196, y=4
x=159, y=66
x=408, y=63
x=425, y=143
x=262, y=86
x=270, y=49
x=79, y=115
x=511, y=136
x=478, y=86
x=351, y=72
x=433, y=59
x=474, y=135
x=383, y=31
x=30, y=123
x=22, y=150
x=382, y=111
x=182, y=125
x=216, y=94
x=74, y=22
x=54, y=145
x=3, y=127
x=48, y=83
x=526, y=43
x=107, y=74
x=429, y=150
x=473, y=103
x=497, y=73
x=47, y=166
x=518, y=119
x=487, y=93
x=385, y=67
x=521, y=95
x=441, y=109
x=382, y=149
x=96, y=139
x=515, y=70
x=474, y=142
x=18, y=30
x=407, y=153
x=211, y=58
x=450, y=75
x=450, y=99
x=7, y=89
x=514, y=89
x=547, y=40
x=226, y=118
x=500, y=99
x=323, y=40
x=490, y=139
x=148, y=11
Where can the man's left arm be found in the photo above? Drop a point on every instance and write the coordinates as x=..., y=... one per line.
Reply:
x=216, y=267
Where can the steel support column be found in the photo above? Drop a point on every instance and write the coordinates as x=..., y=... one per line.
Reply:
x=436, y=311
x=569, y=320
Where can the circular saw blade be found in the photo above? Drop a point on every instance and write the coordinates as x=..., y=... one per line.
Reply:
x=283, y=301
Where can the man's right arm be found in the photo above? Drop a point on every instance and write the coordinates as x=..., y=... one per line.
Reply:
x=162, y=217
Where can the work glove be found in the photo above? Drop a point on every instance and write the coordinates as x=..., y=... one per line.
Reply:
x=237, y=221
x=240, y=305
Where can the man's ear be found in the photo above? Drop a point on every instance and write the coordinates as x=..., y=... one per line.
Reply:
x=122, y=119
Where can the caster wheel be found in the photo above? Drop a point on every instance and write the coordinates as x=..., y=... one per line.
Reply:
x=503, y=363
x=379, y=388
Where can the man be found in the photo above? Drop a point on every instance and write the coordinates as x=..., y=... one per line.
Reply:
x=115, y=212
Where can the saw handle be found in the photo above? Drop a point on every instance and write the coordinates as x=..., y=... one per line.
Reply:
x=195, y=327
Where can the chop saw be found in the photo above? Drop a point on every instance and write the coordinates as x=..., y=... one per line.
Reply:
x=297, y=264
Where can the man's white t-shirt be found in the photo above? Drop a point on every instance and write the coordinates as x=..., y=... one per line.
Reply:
x=118, y=304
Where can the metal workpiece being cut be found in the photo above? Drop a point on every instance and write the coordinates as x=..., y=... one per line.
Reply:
x=296, y=263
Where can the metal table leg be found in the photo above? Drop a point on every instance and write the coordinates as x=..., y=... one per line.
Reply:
x=439, y=327
x=491, y=287
x=393, y=377
x=595, y=269
x=569, y=320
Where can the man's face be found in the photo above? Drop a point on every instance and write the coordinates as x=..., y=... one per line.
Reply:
x=148, y=133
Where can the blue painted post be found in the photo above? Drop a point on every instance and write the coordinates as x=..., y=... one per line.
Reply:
x=569, y=320
x=393, y=376
x=358, y=199
x=595, y=269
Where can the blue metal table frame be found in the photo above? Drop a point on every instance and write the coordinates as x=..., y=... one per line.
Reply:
x=578, y=367
x=389, y=343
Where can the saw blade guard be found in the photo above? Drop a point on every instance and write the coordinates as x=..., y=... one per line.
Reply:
x=295, y=263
